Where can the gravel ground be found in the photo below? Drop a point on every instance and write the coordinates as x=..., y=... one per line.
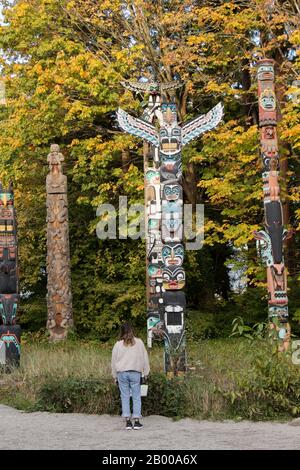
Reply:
x=79, y=431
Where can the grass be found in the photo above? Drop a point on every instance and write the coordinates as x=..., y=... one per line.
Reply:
x=228, y=378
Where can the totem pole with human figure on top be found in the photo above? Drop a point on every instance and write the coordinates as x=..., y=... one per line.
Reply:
x=59, y=295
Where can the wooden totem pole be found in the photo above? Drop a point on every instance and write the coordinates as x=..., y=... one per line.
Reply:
x=10, y=332
x=165, y=275
x=270, y=241
x=59, y=296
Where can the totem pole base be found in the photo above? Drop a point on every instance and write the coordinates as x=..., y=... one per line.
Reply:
x=10, y=338
x=283, y=335
x=175, y=365
x=58, y=334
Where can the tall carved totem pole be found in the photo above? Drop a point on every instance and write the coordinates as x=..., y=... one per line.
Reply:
x=270, y=241
x=10, y=332
x=165, y=275
x=59, y=296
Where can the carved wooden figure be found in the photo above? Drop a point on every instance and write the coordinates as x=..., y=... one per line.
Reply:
x=166, y=301
x=59, y=296
x=10, y=332
x=270, y=240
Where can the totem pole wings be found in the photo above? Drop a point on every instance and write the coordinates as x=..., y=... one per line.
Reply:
x=191, y=130
x=137, y=127
x=206, y=122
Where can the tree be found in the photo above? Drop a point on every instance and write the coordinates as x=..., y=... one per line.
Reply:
x=63, y=62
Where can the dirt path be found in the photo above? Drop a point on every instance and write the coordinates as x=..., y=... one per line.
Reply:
x=79, y=431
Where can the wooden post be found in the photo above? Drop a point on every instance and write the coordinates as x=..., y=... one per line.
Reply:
x=59, y=297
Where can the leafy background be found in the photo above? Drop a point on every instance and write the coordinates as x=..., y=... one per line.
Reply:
x=62, y=62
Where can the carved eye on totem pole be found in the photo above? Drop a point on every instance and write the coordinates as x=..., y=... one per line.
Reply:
x=268, y=100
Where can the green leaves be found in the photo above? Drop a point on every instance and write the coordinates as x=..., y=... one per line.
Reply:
x=62, y=62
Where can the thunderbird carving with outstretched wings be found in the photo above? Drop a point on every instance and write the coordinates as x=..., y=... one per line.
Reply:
x=137, y=127
x=206, y=122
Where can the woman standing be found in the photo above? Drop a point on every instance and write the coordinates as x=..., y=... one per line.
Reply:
x=128, y=363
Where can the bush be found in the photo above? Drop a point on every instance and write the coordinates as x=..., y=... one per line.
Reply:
x=269, y=389
x=71, y=395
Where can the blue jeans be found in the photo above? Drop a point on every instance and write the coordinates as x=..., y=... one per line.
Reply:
x=130, y=380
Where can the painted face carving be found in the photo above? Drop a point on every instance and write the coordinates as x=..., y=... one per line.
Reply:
x=270, y=162
x=172, y=192
x=170, y=140
x=267, y=100
x=169, y=136
x=173, y=278
x=153, y=322
x=265, y=72
x=173, y=254
x=280, y=312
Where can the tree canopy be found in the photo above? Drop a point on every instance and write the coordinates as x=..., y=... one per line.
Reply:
x=62, y=63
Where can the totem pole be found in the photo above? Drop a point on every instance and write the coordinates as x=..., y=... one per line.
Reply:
x=165, y=275
x=59, y=296
x=270, y=241
x=10, y=332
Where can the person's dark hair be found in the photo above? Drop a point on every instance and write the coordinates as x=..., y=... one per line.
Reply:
x=126, y=334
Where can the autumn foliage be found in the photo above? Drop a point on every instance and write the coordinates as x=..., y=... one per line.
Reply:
x=62, y=62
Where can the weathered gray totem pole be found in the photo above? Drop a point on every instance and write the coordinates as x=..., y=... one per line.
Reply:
x=59, y=296
x=10, y=332
x=165, y=275
x=270, y=241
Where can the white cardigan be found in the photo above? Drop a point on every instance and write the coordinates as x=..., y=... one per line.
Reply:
x=130, y=358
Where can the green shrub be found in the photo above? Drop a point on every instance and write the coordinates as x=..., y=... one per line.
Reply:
x=71, y=395
x=269, y=389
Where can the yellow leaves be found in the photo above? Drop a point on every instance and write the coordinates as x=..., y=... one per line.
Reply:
x=239, y=234
x=205, y=38
x=218, y=88
x=218, y=188
x=295, y=37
